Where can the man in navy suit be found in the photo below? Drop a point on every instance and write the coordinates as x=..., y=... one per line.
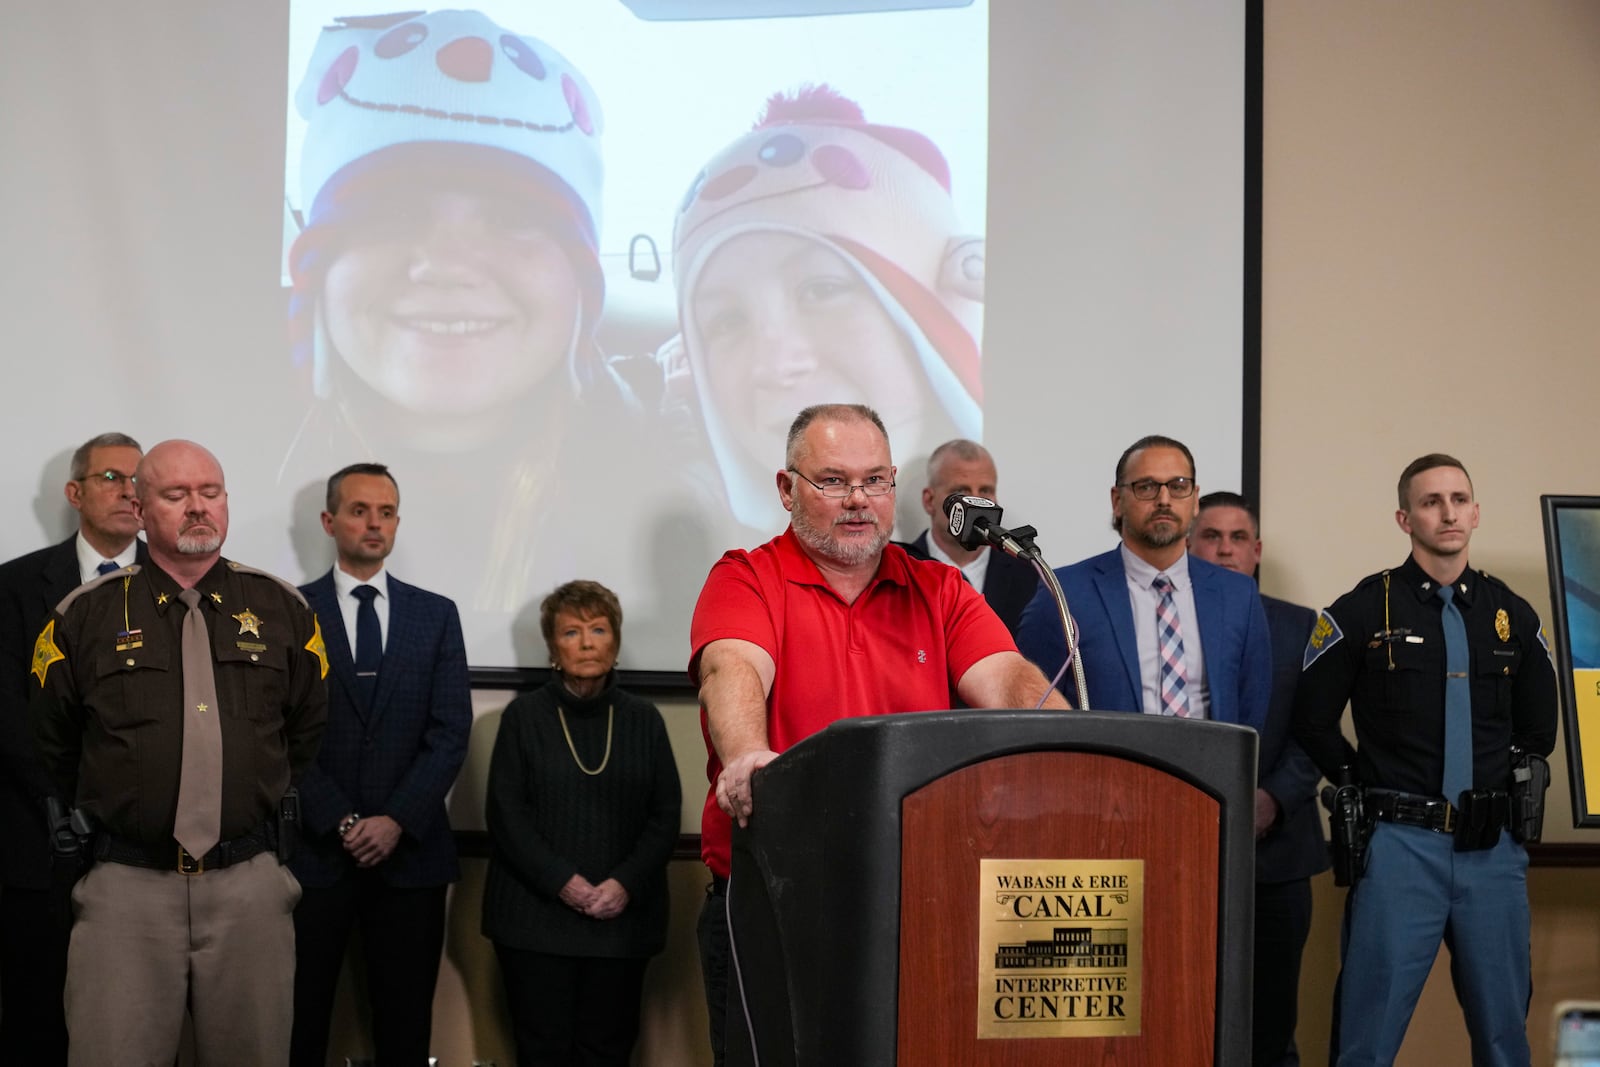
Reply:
x=1159, y=631
x=1007, y=583
x=33, y=934
x=378, y=850
x=1289, y=843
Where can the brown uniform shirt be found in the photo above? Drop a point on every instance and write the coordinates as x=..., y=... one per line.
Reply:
x=108, y=695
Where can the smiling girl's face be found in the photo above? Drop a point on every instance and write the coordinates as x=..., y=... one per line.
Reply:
x=456, y=304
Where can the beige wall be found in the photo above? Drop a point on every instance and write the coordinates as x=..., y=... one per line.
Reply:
x=1431, y=272
x=1431, y=268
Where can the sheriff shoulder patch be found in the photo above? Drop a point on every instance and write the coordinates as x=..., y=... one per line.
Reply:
x=316, y=647
x=1324, y=635
x=46, y=652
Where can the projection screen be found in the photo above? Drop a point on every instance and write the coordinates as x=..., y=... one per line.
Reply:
x=570, y=269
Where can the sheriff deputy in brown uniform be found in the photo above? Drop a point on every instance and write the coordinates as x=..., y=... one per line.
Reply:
x=180, y=759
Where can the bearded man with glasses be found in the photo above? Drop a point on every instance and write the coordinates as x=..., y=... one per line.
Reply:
x=1160, y=631
x=826, y=621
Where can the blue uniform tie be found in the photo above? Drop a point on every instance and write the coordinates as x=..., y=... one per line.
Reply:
x=369, y=643
x=1457, y=700
x=107, y=566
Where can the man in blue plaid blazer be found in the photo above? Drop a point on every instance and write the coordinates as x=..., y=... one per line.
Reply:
x=378, y=850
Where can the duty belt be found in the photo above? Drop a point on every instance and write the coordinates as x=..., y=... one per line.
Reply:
x=1410, y=809
x=171, y=856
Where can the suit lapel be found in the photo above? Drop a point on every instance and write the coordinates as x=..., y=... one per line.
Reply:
x=396, y=645
x=996, y=578
x=1111, y=582
x=59, y=576
x=1209, y=605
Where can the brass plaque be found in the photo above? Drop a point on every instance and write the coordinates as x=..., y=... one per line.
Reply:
x=1060, y=947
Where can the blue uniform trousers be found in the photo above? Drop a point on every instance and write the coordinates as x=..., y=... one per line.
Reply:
x=1417, y=891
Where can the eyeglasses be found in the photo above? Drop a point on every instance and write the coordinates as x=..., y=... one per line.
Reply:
x=838, y=489
x=1149, y=488
x=110, y=477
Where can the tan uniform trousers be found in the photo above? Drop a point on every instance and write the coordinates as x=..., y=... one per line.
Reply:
x=148, y=945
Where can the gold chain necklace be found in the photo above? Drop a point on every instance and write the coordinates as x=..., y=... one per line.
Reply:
x=611, y=720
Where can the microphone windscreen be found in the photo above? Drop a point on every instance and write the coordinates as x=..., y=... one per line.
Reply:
x=968, y=515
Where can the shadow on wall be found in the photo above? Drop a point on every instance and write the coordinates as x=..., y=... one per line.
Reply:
x=50, y=508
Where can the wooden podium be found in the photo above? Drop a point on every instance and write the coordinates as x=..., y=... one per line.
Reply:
x=1004, y=888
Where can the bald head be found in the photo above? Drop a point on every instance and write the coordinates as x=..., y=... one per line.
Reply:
x=169, y=455
x=963, y=467
x=183, y=502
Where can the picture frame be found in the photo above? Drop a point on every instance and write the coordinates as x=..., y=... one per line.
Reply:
x=1572, y=550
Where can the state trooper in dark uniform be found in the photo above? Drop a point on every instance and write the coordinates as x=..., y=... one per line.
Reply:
x=160, y=930
x=1439, y=715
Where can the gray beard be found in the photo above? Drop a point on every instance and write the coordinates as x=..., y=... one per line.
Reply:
x=824, y=544
x=198, y=544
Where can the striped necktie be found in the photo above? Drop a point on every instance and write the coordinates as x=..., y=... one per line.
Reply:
x=1169, y=637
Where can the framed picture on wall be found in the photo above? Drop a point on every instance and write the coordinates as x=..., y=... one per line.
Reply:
x=1572, y=548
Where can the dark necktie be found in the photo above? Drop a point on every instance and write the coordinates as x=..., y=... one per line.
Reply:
x=107, y=566
x=1169, y=643
x=369, y=643
x=198, y=822
x=1457, y=700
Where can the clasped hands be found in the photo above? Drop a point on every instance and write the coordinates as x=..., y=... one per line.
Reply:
x=371, y=839
x=603, y=901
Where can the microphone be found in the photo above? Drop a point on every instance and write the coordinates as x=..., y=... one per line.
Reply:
x=975, y=520
x=970, y=517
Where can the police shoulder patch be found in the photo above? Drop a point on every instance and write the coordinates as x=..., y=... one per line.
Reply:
x=1544, y=640
x=1324, y=635
x=46, y=652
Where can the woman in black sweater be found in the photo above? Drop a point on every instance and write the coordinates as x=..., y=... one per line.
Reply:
x=583, y=812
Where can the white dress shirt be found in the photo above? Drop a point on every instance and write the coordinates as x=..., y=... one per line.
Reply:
x=975, y=572
x=1144, y=601
x=344, y=585
x=89, y=559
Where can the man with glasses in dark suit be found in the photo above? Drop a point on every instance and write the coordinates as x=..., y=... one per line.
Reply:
x=33, y=927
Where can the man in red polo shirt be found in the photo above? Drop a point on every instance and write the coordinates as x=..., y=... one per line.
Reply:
x=826, y=621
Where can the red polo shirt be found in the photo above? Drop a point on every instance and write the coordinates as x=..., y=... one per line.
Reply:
x=902, y=646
